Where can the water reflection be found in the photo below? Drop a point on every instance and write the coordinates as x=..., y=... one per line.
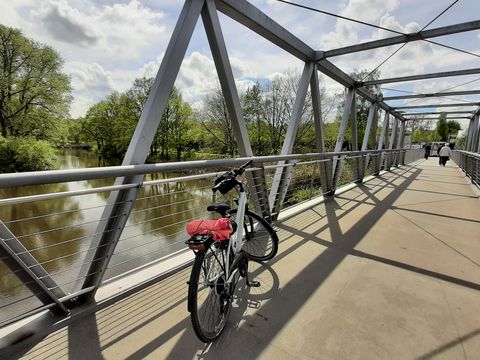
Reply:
x=59, y=232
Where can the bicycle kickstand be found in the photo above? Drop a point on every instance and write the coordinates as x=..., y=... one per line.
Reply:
x=250, y=283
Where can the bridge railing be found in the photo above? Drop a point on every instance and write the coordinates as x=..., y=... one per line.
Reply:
x=50, y=221
x=469, y=162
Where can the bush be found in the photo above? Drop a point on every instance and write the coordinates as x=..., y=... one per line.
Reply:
x=25, y=154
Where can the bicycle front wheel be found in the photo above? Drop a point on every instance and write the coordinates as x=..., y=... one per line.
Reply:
x=209, y=297
x=260, y=240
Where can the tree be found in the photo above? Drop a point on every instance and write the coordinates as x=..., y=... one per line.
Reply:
x=441, y=127
x=216, y=121
x=453, y=127
x=30, y=81
x=362, y=106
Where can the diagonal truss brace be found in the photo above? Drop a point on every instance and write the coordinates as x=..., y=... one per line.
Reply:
x=284, y=172
x=30, y=271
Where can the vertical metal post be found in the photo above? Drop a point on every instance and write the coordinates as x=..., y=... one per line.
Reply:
x=374, y=130
x=469, y=134
x=122, y=201
x=326, y=179
x=283, y=174
x=317, y=110
x=391, y=144
x=475, y=134
x=381, y=141
x=372, y=117
x=337, y=163
x=401, y=144
x=232, y=100
x=354, y=125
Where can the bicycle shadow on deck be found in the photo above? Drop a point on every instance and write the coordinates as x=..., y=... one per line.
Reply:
x=248, y=336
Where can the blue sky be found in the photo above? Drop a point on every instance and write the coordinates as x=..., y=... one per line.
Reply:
x=106, y=44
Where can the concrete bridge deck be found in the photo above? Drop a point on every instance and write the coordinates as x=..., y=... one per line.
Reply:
x=387, y=270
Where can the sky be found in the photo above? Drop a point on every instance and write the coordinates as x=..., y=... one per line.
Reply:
x=107, y=44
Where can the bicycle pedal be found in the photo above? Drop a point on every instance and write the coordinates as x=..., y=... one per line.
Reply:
x=253, y=283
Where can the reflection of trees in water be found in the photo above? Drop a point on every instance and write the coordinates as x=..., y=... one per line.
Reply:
x=70, y=214
x=170, y=206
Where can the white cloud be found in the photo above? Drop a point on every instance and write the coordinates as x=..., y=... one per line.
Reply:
x=116, y=32
x=90, y=83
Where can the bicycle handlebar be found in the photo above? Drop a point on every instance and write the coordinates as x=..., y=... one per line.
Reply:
x=227, y=181
x=242, y=168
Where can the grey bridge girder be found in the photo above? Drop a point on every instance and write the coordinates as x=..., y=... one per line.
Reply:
x=430, y=95
x=120, y=202
x=423, y=76
x=438, y=113
x=254, y=19
x=426, y=34
x=116, y=216
x=232, y=100
x=436, y=106
x=283, y=174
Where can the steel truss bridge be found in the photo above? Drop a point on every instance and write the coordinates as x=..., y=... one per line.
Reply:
x=342, y=235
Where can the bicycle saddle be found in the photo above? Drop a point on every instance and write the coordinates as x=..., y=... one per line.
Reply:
x=219, y=208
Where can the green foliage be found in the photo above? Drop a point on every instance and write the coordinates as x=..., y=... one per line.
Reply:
x=441, y=127
x=25, y=154
x=453, y=127
x=33, y=90
x=424, y=136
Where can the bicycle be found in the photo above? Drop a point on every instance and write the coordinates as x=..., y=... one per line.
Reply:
x=222, y=250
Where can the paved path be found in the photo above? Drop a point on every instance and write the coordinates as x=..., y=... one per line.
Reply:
x=388, y=270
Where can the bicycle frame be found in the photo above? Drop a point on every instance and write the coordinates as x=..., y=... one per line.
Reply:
x=235, y=242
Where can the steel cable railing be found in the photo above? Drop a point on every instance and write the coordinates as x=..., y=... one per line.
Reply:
x=58, y=228
x=469, y=162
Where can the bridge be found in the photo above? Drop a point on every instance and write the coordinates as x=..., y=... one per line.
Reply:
x=379, y=248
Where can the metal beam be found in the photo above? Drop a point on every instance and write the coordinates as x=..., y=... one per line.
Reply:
x=422, y=76
x=438, y=113
x=232, y=100
x=30, y=271
x=430, y=95
x=371, y=118
x=442, y=31
x=436, y=105
x=353, y=124
x=384, y=132
x=436, y=119
x=317, y=110
x=255, y=20
x=115, y=215
x=282, y=176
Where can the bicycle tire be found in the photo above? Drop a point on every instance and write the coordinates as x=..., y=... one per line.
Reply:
x=208, y=305
x=261, y=240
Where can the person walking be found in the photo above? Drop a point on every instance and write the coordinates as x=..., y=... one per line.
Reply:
x=427, y=149
x=445, y=153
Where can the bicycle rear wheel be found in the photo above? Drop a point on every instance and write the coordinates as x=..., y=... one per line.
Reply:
x=261, y=241
x=209, y=297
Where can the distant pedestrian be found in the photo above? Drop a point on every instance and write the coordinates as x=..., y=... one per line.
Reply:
x=438, y=153
x=445, y=153
x=427, y=149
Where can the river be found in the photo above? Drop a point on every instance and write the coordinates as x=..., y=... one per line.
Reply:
x=59, y=232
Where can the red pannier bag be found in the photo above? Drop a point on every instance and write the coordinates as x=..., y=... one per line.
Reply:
x=221, y=229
